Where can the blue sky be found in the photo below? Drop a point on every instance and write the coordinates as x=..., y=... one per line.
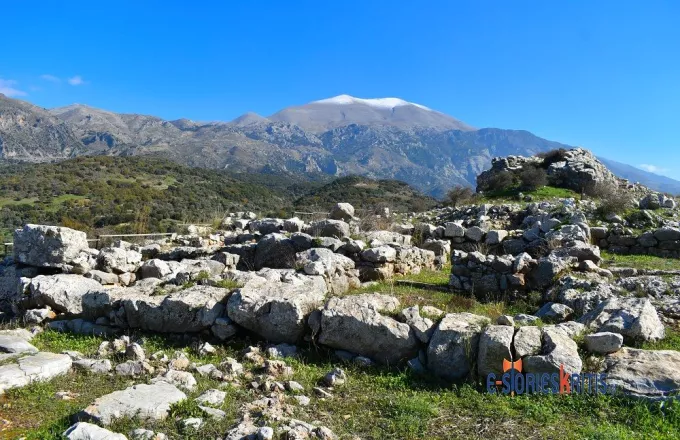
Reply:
x=604, y=75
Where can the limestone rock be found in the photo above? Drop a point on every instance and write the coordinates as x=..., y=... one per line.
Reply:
x=354, y=323
x=277, y=311
x=148, y=402
x=454, y=344
x=48, y=246
x=634, y=318
x=494, y=347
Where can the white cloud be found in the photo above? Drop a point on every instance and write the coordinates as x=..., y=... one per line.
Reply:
x=50, y=78
x=653, y=168
x=7, y=88
x=76, y=80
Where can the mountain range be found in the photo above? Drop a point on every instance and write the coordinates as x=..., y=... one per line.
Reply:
x=386, y=138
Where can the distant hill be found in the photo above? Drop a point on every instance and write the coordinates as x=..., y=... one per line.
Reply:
x=127, y=194
x=366, y=194
x=650, y=180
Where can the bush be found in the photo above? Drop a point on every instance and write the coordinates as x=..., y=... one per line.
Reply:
x=501, y=181
x=459, y=195
x=532, y=178
x=613, y=199
x=552, y=156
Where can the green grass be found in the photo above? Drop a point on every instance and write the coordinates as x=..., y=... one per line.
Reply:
x=375, y=403
x=447, y=301
x=543, y=193
x=646, y=262
x=670, y=342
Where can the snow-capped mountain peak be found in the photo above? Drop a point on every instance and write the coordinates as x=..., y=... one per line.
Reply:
x=375, y=102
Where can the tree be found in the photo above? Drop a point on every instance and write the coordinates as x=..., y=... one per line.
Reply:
x=532, y=178
x=459, y=195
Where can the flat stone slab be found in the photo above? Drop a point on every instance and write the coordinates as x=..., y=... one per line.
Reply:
x=149, y=402
x=644, y=373
x=88, y=431
x=29, y=369
x=15, y=344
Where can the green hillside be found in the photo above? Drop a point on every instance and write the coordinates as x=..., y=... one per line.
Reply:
x=366, y=194
x=126, y=194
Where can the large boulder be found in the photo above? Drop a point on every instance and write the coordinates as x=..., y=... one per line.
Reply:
x=337, y=270
x=495, y=346
x=277, y=310
x=48, y=246
x=389, y=237
x=634, y=318
x=275, y=251
x=558, y=351
x=342, y=211
x=355, y=323
x=147, y=402
x=329, y=228
x=119, y=260
x=63, y=292
x=453, y=347
x=645, y=373
x=189, y=310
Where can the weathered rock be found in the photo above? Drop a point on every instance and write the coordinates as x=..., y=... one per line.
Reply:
x=15, y=344
x=155, y=268
x=277, y=311
x=330, y=228
x=342, y=211
x=224, y=328
x=354, y=323
x=148, y=402
x=422, y=327
x=48, y=246
x=96, y=366
x=88, y=431
x=381, y=254
x=646, y=373
x=104, y=278
x=527, y=341
x=39, y=367
x=181, y=379
x=453, y=346
x=190, y=310
x=494, y=347
x=554, y=312
x=62, y=292
x=119, y=260
x=558, y=350
x=211, y=397
x=634, y=318
x=604, y=342
x=275, y=251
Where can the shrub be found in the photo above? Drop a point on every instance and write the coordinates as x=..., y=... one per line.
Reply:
x=459, y=195
x=613, y=199
x=499, y=182
x=532, y=178
x=552, y=156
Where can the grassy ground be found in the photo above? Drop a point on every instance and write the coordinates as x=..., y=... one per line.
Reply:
x=446, y=301
x=541, y=194
x=375, y=403
x=639, y=261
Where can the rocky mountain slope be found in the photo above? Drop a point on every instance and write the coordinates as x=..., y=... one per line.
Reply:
x=384, y=138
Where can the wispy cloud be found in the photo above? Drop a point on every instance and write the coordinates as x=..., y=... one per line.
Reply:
x=653, y=168
x=76, y=80
x=7, y=88
x=50, y=78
